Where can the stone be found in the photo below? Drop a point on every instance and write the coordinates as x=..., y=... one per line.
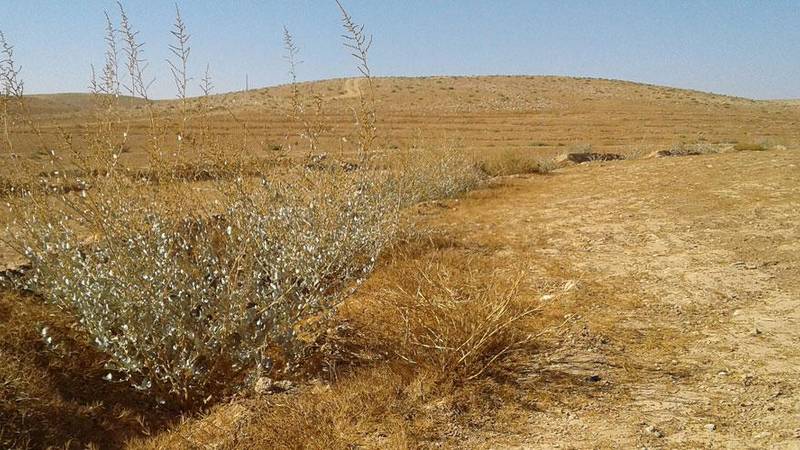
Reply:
x=650, y=429
x=711, y=427
x=266, y=386
x=263, y=385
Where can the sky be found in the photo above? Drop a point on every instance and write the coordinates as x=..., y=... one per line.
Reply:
x=743, y=48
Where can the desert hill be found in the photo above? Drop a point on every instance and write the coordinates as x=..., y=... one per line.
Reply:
x=66, y=104
x=539, y=113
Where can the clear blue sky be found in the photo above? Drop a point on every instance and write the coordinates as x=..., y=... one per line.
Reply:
x=746, y=48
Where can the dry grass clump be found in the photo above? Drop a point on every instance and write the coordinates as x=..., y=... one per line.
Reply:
x=749, y=146
x=449, y=319
x=427, y=173
x=512, y=162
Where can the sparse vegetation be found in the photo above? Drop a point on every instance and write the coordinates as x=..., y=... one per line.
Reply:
x=512, y=162
x=180, y=256
x=751, y=147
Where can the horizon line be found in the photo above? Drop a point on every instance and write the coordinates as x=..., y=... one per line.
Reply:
x=576, y=77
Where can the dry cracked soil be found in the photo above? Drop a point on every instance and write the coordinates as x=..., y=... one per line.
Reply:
x=684, y=284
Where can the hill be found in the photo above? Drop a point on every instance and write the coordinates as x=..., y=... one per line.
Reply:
x=538, y=113
x=67, y=105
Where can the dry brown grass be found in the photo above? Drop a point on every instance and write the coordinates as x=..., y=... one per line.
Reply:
x=448, y=318
x=514, y=162
x=749, y=146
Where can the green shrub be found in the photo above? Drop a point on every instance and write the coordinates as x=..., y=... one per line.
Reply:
x=187, y=305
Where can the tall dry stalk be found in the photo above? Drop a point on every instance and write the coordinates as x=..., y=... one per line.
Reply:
x=138, y=86
x=136, y=64
x=180, y=49
x=11, y=89
x=313, y=124
x=359, y=43
x=109, y=136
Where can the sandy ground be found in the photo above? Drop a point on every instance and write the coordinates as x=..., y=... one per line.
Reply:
x=686, y=274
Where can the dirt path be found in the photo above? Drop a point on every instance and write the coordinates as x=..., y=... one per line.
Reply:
x=687, y=287
x=352, y=89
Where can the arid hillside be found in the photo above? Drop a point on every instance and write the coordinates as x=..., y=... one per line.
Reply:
x=539, y=114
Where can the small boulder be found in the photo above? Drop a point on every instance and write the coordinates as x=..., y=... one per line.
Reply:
x=267, y=386
x=651, y=429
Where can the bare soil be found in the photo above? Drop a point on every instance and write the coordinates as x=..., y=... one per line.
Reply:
x=686, y=279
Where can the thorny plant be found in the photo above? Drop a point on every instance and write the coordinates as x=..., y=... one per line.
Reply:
x=191, y=293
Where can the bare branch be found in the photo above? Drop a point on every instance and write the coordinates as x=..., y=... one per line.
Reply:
x=10, y=83
x=180, y=49
x=207, y=83
x=136, y=64
x=356, y=40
